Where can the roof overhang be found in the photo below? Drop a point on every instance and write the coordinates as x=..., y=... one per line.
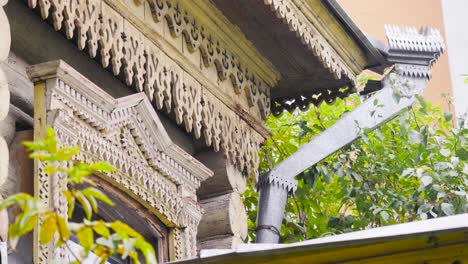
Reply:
x=313, y=44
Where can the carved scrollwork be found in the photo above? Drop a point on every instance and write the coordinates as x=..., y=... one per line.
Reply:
x=128, y=135
x=124, y=49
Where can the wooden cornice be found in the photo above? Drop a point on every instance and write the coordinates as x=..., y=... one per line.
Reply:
x=182, y=71
x=335, y=34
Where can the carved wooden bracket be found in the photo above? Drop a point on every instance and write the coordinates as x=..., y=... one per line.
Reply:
x=128, y=134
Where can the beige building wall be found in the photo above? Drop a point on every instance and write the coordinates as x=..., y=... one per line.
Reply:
x=372, y=15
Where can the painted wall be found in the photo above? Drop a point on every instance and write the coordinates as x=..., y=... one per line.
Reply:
x=372, y=15
x=456, y=31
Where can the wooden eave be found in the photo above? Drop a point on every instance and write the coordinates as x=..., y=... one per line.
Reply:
x=281, y=31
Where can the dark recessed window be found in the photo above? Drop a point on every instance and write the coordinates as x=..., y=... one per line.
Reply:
x=129, y=211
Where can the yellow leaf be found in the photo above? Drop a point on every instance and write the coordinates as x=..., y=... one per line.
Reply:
x=86, y=238
x=70, y=202
x=48, y=228
x=29, y=226
x=64, y=231
x=123, y=230
x=50, y=169
x=101, y=229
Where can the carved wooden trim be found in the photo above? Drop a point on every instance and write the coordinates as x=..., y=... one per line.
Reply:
x=319, y=14
x=126, y=133
x=310, y=36
x=228, y=120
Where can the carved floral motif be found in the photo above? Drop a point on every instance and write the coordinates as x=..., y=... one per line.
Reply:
x=122, y=48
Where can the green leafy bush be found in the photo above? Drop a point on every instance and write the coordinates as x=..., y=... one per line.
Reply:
x=414, y=167
x=102, y=238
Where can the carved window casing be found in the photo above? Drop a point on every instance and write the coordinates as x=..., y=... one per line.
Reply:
x=129, y=211
x=126, y=133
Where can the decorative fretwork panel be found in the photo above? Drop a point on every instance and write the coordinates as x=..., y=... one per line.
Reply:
x=199, y=103
x=128, y=135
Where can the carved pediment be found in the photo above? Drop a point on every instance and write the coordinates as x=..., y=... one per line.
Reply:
x=126, y=133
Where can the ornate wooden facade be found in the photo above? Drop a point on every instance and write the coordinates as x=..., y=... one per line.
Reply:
x=173, y=93
x=127, y=133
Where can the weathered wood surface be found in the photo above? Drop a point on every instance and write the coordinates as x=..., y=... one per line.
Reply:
x=303, y=40
x=224, y=221
x=224, y=217
x=227, y=178
x=4, y=33
x=5, y=41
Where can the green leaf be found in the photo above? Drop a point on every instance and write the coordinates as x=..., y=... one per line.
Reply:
x=13, y=234
x=50, y=141
x=423, y=103
x=425, y=208
x=426, y=180
x=70, y=202
x=462, y=154
x=333, y=222
x=19, y=198
x=34, y=146
x=91, y=200
x=146, y=249
x=29, y=225
x=98, y=195
x=384, y=215
x=77, y=173
x=447, y=208
x=66, y=154
x=101, y=167
x=448, y=116
x=415, y=137
x=356, y=176
x=84, y=203
x=445, y=152
x=7, y=203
